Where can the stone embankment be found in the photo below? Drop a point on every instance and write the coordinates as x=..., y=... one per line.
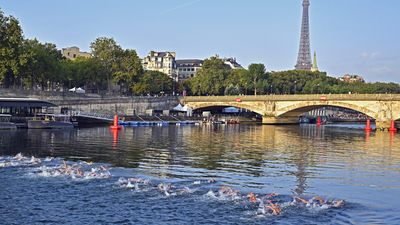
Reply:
x=93, y=103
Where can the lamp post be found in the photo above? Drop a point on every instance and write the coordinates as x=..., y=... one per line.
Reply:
x=295, y=82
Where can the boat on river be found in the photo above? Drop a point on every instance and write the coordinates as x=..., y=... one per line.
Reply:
x=50, y=121
x=5, y=122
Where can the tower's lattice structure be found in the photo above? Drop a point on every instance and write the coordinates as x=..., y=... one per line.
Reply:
x=304, y=56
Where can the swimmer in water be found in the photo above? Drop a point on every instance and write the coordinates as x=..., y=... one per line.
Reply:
x=300, y=200
x=35, y=160
x=211, y=180
x=274, y=208
x=318, y=200
x=337, y=203
x=103, y=168
x=19, y=156
x=252, y=197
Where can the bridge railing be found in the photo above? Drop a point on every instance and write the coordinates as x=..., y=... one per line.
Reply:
x=310, y=97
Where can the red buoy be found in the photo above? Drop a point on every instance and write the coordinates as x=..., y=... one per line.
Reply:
x=115, y=126
x=368, y=126
x=318, y=121
x=392, y=128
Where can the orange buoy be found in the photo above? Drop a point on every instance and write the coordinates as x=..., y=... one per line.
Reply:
x=318, y=121
x=368, y=126
x=115, y=126
x=392, y=128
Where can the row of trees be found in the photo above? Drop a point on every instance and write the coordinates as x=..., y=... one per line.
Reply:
x=30, y=64
x=215, y=78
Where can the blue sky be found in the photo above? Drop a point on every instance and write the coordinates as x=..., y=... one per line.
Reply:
x=350, y=36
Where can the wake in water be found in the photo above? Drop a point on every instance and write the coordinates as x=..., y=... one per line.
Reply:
x=80, y=170
x=260, y=204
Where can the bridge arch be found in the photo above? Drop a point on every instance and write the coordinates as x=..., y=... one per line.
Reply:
x=300, y=108
x=199, y=105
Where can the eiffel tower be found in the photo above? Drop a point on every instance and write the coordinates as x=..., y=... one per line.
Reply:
x=304, y=56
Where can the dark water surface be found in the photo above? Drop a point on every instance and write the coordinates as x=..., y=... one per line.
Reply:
x=332, y=162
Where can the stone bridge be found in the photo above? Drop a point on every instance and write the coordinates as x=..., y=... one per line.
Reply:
x=286, y=109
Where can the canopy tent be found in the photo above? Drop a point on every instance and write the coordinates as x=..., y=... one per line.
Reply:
x=80, y=90
x=180, y=108
x=185, y=108
x=77, y=90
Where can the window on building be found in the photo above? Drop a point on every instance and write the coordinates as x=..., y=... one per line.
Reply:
x=74, y=56
x=68, y=53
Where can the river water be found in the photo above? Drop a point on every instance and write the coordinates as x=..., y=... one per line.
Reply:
x=193, y=162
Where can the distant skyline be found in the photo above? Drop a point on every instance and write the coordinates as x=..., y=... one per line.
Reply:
x=350, y=36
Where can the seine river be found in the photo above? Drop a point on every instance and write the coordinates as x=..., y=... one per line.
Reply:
x=174, y=175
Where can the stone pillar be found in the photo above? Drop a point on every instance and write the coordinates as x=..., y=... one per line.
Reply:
x=280, y=120
x=382, y=124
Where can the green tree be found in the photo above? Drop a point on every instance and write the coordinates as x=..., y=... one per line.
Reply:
x=239, y=78
x=84, y=72
x=153, y=82
x=43, y=64
x=256, y=73
x=11, y=57
x=210, y=79
x=129, y=70
x=108, y=52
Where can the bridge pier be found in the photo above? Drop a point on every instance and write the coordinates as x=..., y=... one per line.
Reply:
x=280, y=120
x=382, y=124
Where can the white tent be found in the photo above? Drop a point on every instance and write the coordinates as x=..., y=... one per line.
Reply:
x=185, y=108
x=72, y=89
x=80, y=90
x=178, y=108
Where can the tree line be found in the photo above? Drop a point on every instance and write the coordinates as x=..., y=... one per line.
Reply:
x=31, y=64
x=216, y=78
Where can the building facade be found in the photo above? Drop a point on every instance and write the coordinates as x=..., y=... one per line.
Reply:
x=188, y=68
x=179, y=70
x=232, y=63
x=73, y=53
x=352, y=78
x=161, y=61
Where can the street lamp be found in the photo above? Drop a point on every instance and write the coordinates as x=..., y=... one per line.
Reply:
x=295, y=86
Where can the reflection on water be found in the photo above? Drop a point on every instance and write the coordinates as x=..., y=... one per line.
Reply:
x=363, y=168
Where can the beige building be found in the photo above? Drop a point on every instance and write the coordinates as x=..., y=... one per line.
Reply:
x=73, y=53
x=352, y=78
x=161, y=61
x=188, y=68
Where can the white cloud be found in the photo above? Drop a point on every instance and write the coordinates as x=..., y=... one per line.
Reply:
x=370, y=55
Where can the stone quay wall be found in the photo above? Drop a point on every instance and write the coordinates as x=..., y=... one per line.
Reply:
x=93, y=103
x=117, y=105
